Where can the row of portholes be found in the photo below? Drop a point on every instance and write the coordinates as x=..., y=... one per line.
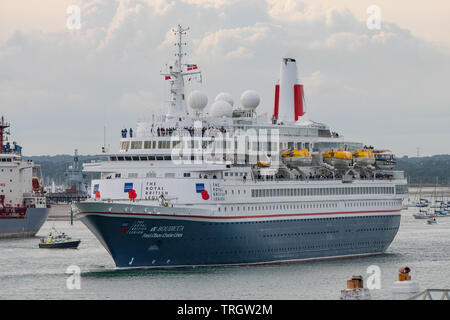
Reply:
x=298, y=234
x=372, y=203
x=362, y=244
x=297, y=220
x=376, y=229
x=308, y=206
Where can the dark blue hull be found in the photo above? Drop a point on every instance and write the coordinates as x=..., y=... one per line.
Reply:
x=150, y=241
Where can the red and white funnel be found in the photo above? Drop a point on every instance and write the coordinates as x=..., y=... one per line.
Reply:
x=288, y=94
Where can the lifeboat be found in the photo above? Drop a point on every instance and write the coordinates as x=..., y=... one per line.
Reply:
x=297, y=157
x=262, y=164
x=338, y=158
x=384, y=159
x=363, y=158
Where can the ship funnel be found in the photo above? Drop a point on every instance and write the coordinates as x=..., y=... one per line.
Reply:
x=288, y=94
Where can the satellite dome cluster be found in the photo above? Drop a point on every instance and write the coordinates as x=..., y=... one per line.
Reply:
x=223, y=103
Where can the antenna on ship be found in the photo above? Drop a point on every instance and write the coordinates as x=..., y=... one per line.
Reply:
x=177, y=108
x=180, y=31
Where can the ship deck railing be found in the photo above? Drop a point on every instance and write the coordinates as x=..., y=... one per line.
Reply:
x=320, y=178
x=432, y=294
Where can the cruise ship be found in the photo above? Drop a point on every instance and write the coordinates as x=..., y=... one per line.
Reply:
x=23, y=206
x=223, y=185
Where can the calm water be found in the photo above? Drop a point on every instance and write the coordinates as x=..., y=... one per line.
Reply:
x=27, y=272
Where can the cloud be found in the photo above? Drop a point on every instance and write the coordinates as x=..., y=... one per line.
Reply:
x=232, y=42
x=217, y=4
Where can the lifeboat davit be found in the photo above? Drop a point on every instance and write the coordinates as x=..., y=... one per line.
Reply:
x=338, y=158
x=363, y=158
x=295, y=157
x=384, y=159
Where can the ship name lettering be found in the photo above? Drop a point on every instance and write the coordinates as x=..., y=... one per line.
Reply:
x=162, y=235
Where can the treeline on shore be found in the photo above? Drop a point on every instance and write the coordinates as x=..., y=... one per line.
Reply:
x=54, y=167
x=424, y=171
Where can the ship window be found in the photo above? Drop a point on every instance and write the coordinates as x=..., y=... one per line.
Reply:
x=163, y=144
x=167, y=158
x=135, y=158
x=159, y=158
x=143, y=158
x=151, y=158
x=132, y=175
x=169, y=175
x=151, y=174
x=136, y=145
x=125, y=145
x=187, y=174
x=120, y=158
x=147, y=144
x=112, y=158
x=128, y=158
x=178, y=144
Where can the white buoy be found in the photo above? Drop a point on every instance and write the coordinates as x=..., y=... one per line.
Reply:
x=404, y=287
x=250, y=99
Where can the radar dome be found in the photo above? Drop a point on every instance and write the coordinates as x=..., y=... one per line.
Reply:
x=197, y=100
x=221, y=109
x=225, y=96
x=250, y=99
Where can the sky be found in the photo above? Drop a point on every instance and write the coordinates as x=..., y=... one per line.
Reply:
x=62, y=88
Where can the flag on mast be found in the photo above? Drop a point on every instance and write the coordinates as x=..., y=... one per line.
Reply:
x=191, y=66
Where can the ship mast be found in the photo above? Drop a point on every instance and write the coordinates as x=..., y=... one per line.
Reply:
x=3, y=126
x=177, y=107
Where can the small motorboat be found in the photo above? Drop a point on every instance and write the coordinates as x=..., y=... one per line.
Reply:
x=432, y=221
x=58, y=240
x=423, y=214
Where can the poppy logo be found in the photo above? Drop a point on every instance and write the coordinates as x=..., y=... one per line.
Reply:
x=205, y=195
x=132, y=194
